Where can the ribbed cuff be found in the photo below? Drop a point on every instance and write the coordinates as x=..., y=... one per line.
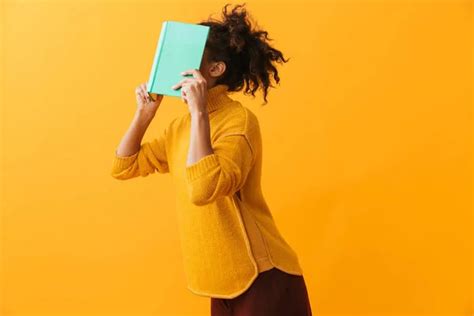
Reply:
x=123, y=162
x=202, y=166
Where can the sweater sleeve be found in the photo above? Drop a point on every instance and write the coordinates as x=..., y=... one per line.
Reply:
x=149, y=158
x=221, y=173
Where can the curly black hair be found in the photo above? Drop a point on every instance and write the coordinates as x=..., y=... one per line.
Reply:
x=248, y=56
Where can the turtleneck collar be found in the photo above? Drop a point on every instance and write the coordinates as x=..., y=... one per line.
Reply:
x=217, y=97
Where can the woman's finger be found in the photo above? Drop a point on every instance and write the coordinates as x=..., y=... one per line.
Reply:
x=141, y=96
x=184, y=96
x=144, y=92
x=183, y=81
x=195, y=72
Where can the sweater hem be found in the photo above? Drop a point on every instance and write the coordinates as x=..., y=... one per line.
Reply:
x=270, y=258
x=228, y=296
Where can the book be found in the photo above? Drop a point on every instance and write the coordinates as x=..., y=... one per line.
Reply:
x=180, y=47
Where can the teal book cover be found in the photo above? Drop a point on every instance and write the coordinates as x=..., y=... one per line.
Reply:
x=180, y=47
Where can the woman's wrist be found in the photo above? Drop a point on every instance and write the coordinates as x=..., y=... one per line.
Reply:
x=199, y=115
x=143, y=118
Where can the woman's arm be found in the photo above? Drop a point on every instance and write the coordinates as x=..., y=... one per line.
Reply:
x=200, y=139
x=132, y=158
x=130, y=143
x=221, y=173
x=217, y=170
x=213, y=171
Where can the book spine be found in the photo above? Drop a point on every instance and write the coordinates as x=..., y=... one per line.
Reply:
x=156, y=60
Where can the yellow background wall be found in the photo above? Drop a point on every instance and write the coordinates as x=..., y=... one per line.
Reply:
x=367, y=156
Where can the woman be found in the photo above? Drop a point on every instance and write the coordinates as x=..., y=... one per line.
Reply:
x=232, y=249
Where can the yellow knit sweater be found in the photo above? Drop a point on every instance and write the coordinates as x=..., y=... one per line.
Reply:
x=228, y=234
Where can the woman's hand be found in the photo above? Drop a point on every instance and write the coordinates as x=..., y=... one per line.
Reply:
x=193, y=91
x=146, y=107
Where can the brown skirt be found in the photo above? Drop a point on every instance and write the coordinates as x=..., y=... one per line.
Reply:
x=273, y=293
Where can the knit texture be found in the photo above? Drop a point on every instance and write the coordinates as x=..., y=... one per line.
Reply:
x=228, y=234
